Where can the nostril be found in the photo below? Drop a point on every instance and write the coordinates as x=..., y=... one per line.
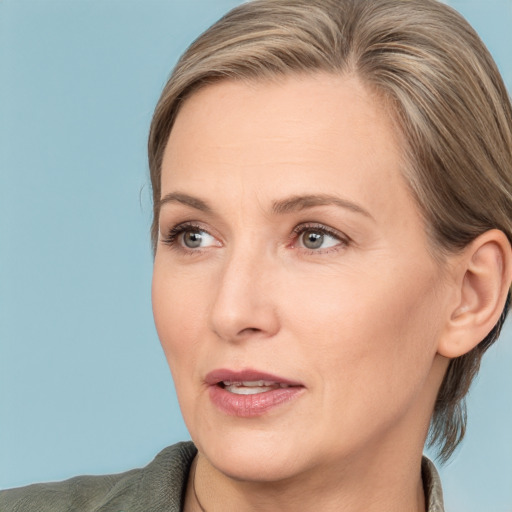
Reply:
x=249, y=330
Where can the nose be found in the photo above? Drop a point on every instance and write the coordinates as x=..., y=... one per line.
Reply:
x=244, y=303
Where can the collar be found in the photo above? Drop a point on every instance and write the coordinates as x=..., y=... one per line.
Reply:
x=432, y=485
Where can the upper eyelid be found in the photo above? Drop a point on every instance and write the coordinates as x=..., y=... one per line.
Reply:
x=174, y=214
x=199, y=226
x=299, y=227
x=320, y=227
x=313, y=225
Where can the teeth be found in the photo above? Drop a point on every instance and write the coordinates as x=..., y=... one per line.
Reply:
x=250, y=383
x=251, y=387
x=249, y=390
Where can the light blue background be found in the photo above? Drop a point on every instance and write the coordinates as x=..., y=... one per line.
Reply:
x=84, y=387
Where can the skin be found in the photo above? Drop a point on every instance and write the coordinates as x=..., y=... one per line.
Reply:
x=357, y=321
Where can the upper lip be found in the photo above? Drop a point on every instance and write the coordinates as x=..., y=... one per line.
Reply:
x=225, y=375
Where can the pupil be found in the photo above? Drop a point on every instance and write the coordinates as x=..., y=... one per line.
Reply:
x=313, y=239
x=192, y=239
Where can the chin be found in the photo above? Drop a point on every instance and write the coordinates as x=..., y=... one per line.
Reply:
x=254, y=455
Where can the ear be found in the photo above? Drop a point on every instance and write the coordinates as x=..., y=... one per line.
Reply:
x=483, y=278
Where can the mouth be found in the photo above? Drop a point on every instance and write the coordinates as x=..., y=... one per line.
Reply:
x=248, y=381
x=251, y=387
x=250, y=393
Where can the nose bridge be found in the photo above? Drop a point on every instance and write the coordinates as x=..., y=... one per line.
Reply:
x=243, y=302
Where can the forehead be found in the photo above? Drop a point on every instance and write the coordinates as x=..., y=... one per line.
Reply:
x=298, y=108
x=325, y=129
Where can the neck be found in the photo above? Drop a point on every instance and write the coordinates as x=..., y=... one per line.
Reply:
x=357, y=488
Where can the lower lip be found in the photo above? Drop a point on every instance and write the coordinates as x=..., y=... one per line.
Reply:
x=248, y=406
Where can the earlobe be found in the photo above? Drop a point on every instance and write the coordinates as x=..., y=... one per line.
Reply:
x=485, y=275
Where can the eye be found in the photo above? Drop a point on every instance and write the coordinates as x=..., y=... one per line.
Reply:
x=190, y=237
x=195, y=238
x=317, y=238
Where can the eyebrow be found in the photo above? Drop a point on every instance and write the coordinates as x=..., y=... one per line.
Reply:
x=193, y=202
x=281, y=207
x=297, y=203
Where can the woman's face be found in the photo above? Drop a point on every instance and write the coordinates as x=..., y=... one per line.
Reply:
x=294, y=293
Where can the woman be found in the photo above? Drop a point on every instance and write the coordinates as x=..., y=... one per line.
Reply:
x=332, y=258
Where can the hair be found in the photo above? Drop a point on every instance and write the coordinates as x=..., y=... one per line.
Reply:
x=446, y=96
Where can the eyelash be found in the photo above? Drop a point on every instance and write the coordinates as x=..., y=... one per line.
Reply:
x=174, y=233
x=172, y=236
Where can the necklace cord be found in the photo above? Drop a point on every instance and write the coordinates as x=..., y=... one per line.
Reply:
x=194, y=488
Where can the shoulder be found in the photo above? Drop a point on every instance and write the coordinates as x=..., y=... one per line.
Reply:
x=157, y=487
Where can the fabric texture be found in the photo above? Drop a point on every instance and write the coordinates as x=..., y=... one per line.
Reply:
x=158, y=487
x=432, y=486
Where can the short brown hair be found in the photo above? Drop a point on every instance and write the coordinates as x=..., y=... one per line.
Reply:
x=446, y=95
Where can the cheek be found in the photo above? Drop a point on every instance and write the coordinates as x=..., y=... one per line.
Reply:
x=178, y=313
x=369, y=346
x=367, y=330
x=179, y=319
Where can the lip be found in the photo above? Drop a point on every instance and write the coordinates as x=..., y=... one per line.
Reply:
x=216, y=376
x=247, y=406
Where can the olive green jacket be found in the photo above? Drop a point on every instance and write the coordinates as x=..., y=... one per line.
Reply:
x=159, y=487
